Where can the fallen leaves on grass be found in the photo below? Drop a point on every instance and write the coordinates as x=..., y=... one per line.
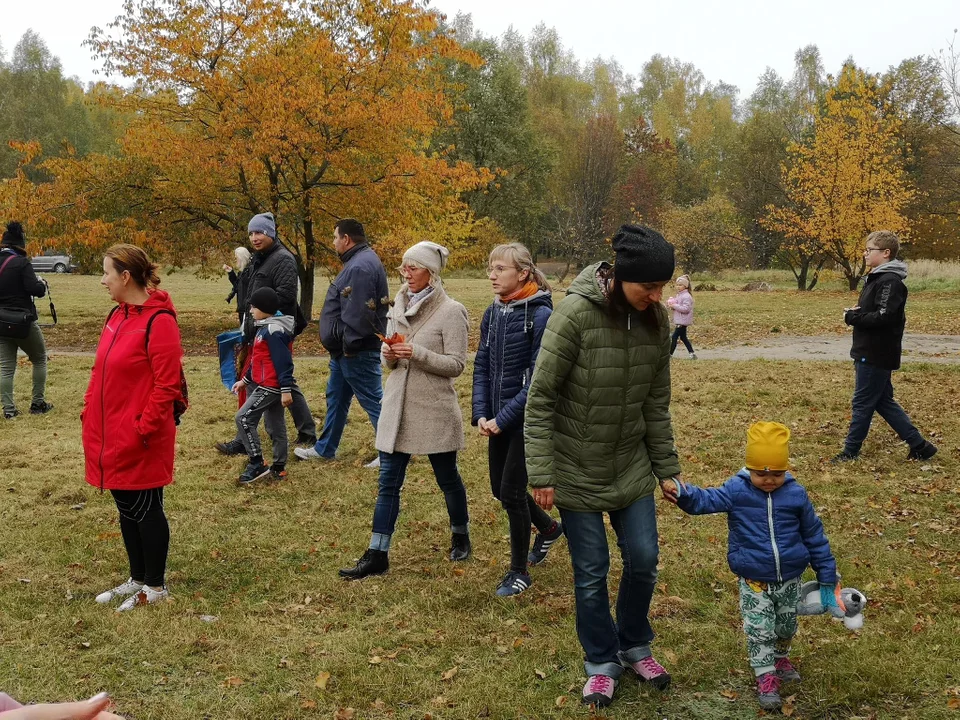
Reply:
x=322, y=679
x=450, y=674
x=730, y=695
x=233, y=682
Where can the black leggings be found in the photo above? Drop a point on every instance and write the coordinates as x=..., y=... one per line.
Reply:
x=146, y=533
x=680, y=333
x=508, y=481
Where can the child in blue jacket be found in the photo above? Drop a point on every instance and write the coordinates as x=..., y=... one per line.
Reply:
x=271, y=375
x=774, y=534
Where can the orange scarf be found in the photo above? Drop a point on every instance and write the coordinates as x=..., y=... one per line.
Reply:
x=528, y=290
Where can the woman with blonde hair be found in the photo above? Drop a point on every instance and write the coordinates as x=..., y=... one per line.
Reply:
x=510, y=335
x=239, y=277
x=425, y=349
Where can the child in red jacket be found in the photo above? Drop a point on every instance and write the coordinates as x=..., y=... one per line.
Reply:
x=271, y=375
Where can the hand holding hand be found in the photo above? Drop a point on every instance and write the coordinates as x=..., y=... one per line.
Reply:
x=543, y=497
x=482, y=427
x=493, y=428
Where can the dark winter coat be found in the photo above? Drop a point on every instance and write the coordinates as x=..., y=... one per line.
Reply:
x=129, y=432
x=597, y=425
x=241, y=289
x=271, y=361
x=274, y=268
x=773, y=536
x=878, y=324
x=18, y=282
x=355, y=308
x=510, y=335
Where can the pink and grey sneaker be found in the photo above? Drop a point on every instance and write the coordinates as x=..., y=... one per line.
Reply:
x=786, y=671
x=649, y=670
x=768, y=691
x=599, y=690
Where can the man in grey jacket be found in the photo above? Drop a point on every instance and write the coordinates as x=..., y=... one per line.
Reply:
x=353, y=320
x=274, y=267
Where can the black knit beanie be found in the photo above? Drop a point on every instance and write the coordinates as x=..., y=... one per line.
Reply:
x=265, y=300
x=642, y=255
x=13, y=236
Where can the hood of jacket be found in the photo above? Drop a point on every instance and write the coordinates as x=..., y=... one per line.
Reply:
x=286, y=323
x=587, y=285
x=158, y=300
x=897, y=267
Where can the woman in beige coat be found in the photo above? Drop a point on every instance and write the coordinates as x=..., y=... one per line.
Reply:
x=420, y=414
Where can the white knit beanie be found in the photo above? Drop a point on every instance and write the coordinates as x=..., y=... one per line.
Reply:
x=428, y=254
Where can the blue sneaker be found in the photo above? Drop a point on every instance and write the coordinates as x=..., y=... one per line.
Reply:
x=542, y=544
x=513, y=583
x=252, y=473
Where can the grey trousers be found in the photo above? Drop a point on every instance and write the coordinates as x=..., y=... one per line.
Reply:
x=36, y=349
x=261, y=403
x=301, y=414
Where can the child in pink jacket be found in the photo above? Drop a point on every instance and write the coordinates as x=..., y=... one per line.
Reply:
x=682, y=305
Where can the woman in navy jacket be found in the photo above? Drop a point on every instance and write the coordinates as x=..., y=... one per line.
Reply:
x=510, y=334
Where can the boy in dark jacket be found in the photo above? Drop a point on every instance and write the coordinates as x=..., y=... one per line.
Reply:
x=774, y=534
x=271, y=376
x=878, y=321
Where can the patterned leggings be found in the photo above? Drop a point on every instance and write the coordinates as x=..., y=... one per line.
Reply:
x=769, y=612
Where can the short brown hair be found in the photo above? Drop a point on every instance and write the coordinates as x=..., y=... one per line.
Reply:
x=135, y=261
x=885, y=240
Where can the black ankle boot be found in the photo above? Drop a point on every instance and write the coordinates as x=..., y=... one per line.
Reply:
x=923, y=452
x=460, y=547
x=373, y=562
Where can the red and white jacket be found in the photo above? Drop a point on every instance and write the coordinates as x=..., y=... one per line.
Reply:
x=129, y=433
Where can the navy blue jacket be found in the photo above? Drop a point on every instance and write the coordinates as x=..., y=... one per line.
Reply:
x=510, y=337
x=271, y=363
x=773, y=536
x=355, y=308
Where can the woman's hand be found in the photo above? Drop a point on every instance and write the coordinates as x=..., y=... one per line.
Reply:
x=403, y=351
x=671, y=488
x=543, y=497
x=227, y=268
x=92, y=709
x=482, y=427
x=388, y=353
x=493, y=428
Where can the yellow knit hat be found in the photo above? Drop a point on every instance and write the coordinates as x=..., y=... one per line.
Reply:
x=768, y=446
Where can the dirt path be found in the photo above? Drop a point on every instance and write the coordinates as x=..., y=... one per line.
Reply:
x=916, y=348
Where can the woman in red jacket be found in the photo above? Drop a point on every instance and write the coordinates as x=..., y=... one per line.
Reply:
x=129, y=430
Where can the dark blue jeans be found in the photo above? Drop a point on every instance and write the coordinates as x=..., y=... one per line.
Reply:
x=603, y=641
x=358, y=375
x=873, y=392
x=393, y=471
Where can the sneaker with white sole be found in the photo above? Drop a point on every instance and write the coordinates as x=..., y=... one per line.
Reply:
x=373, y=464
x=308, y=453
x=145, y=596
x=599, y=690
x=648, y=670
x=120, y=591
x=543, y=542
x=513, y=583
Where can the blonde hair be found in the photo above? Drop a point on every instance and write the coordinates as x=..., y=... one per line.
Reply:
x=886, y=240
x=242, y=257
x=519, y=256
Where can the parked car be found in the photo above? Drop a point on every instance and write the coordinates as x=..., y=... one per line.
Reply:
x=53, y=261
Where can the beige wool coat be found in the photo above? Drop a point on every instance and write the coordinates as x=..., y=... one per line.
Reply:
x=420, y=414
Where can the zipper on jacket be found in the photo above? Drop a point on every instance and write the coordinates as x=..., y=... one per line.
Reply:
x=773, y=535
x=103, y=414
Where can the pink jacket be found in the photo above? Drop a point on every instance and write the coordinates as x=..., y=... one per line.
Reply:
x=682, y=306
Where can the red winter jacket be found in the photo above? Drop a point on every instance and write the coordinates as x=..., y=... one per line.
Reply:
x=128, y=427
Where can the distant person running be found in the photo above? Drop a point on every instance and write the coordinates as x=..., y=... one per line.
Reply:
x=510, y=335
x=682, y=306
x=269, y=380
x=878, y=321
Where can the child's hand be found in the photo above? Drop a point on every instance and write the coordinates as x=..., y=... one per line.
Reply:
x=286, y=399
x=831, y=600
x=237, y=386
x=671, y=301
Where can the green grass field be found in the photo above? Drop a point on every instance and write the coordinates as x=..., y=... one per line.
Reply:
x=430, y=640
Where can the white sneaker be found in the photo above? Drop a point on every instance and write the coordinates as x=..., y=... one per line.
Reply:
x=373, y=464
x=145, y=596
x=693, y=356
x=125, y=590
x=308, y=453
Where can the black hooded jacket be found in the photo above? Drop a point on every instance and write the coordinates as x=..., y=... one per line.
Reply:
x=18, y=282
x=878, y=323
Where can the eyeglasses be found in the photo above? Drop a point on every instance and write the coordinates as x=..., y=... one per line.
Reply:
x=499, y=269
x=408, y=269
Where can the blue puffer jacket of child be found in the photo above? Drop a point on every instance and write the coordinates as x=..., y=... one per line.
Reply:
x=510, y=335
x=772, y=536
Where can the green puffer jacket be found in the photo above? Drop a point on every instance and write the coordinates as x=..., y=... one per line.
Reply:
x=597, y=425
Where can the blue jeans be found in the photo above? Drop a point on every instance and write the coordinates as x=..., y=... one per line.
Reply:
x=873, y=392
x=393, y=471
x=603, y=641
x=358, y=375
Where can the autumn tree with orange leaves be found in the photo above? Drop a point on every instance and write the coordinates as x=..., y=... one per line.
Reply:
x=847, y=179
x=311, y=110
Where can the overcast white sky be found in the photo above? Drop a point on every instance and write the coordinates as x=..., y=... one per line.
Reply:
x=731, y=41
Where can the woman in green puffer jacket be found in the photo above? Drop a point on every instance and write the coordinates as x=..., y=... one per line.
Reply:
x=598, y=437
